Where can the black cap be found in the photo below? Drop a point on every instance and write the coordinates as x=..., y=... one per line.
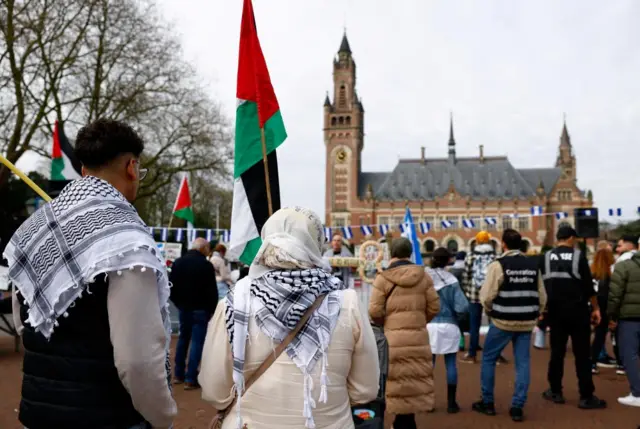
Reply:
x=566, y=232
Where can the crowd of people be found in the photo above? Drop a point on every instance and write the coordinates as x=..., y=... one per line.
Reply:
x=91, y=300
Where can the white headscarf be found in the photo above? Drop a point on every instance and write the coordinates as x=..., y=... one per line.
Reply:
x=288, y=274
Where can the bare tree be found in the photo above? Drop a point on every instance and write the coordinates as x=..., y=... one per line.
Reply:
x=78, y=60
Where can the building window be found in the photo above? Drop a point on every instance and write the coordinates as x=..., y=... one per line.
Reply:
x=507, y=223
x=347, y=120
x=454, y=222
x=339, y=222
x=341, y=120
x=429, y=246
x=564, y=195
x=342, y=97
x=334, y=120
x=397, y=221
x=452, y=246
x=383, y=220
x=524, y=224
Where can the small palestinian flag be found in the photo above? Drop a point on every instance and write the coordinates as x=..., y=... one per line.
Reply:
x=258, y=111
x=65, y=167
x=182, y=209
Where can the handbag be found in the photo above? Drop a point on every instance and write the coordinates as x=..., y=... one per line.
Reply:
x=218, y=419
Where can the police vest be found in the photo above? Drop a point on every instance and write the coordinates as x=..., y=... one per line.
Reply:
x=562, y=279
x=518, y=298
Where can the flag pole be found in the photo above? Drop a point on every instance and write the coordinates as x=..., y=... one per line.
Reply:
x=266, y=170
x=37, y=189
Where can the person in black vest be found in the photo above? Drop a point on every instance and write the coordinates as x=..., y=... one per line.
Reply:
x=513, y=295
x=195, y=293
x=569, y=286
x=92, y=295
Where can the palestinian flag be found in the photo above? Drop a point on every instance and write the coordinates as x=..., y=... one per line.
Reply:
x=65, y=167
x=182, y=209
x=257, y=109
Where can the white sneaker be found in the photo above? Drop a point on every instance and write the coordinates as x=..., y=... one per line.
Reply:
x=630, y=401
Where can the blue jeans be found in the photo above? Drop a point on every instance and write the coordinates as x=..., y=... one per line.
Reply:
x=450, y=365
x=494, y=343
x=629, y=343
x=223, y=289
x=193, y=329
x=475, y=320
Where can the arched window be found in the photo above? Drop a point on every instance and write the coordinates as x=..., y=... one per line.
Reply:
x=452, y=246
x=429, y=246
x=334, y=120
x=342, y=96
x=341, y=120
x=348, y=120
x=472, y=245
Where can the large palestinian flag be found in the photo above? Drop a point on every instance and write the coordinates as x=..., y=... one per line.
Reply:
x=65, y=167
x=257, y=109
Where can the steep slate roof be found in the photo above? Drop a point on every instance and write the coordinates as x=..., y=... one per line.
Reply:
x=344, y=46
x=493, y=178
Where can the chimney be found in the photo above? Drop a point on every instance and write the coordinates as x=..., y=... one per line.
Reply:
x=422, y=150
x=482, y=154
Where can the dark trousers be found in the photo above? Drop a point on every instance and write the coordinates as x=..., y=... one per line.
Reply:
x=475, y=321
x=600, y=332
x=404, y=421
x=193, y=330
x=629, y=336
x=577, y=325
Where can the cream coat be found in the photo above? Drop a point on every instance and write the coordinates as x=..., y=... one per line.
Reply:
x=406, y=311
x=275, y=401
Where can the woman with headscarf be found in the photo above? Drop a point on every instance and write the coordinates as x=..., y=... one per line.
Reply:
x=330, y=364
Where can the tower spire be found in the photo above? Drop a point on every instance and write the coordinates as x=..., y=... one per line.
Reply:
x=344, y=45
x=452, y=141
x=565, y=140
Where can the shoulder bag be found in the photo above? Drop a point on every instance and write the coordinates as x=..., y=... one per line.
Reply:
x=217, y=421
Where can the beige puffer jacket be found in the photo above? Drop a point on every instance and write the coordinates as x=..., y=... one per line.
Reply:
x=405, y=312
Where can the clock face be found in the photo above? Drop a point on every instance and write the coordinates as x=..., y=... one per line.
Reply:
x=341, y=156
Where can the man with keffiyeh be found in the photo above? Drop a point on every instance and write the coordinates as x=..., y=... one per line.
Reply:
x=92, y=293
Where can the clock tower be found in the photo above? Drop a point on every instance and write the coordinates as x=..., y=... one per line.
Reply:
x=343, y=138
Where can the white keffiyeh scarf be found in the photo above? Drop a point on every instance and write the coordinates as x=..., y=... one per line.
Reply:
x=88, y=230
x=287, y=276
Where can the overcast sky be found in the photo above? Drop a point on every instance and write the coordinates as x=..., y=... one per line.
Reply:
x=507, y=69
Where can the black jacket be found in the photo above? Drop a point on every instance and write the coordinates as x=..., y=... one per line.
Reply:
x=194, y=283
x=70, y=381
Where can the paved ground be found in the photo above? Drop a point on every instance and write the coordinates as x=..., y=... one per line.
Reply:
x=195, y=414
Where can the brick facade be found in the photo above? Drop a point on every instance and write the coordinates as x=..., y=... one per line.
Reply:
x=354, y=197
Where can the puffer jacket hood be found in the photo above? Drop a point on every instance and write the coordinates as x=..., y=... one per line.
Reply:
x=484, y=248
x=404, y=275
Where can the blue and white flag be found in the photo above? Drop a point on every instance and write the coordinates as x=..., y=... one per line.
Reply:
x=491, y=220
x=226, y=236
x=366, y=230
x=425, y=227
x=164, y=234
x=615, y=212
x=639, y=210
x=151, y=230
x=403, y=228
x=536, y=210
x=446, y=224
x=468, y=223
x=327, y=233
x=209, y=235
x=193, y=233
x=562, y=215
x=179, y=235
x=384, y=229
x=410, y=233
x=347, y=233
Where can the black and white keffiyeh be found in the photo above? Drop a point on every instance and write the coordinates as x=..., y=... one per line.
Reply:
x=278, y=300
x=88, y=230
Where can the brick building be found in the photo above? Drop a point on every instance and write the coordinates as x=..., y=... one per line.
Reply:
x=450, y=188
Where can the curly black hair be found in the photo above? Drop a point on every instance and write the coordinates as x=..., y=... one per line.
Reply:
x=103, y=140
